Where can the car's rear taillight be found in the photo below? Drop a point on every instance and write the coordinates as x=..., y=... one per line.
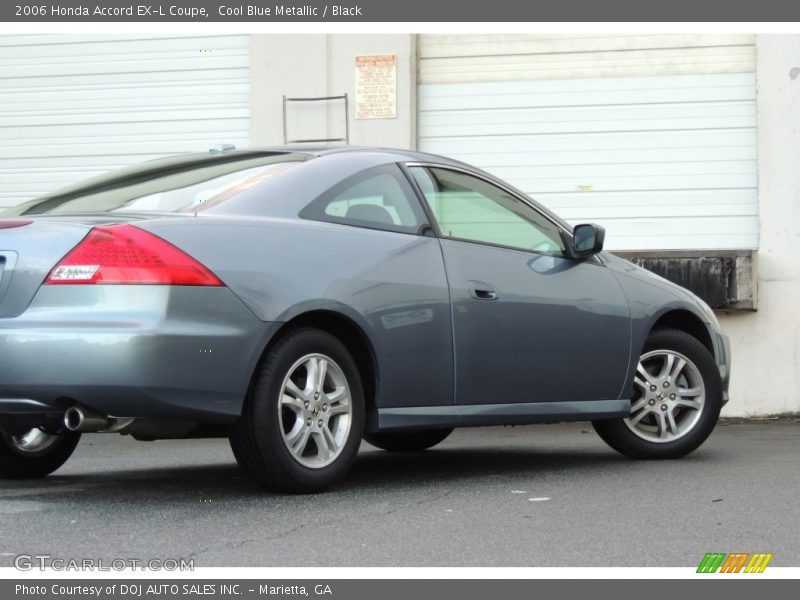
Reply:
x=124, y=254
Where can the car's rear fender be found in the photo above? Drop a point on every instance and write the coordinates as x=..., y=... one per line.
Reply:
x=392, y=285
x=344, y=323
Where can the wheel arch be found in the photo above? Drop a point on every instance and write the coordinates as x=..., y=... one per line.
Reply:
x=347, y=331
x=672, y=317
x=686, y=321
x=681, y=323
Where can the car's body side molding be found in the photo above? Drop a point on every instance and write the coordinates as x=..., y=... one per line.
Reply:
x=473, y=415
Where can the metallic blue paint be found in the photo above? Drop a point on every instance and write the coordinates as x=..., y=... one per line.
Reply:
x=559, y=341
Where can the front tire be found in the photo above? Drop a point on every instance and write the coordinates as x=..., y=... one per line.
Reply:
x=34, y=453
x=416, y=441
x=304, y=417
x=676, y=403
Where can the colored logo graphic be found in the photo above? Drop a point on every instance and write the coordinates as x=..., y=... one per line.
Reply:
x=735, y=562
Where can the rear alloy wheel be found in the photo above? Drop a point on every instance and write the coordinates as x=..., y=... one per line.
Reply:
x=302, y=424
x=316, y=410
x=676, y=403
x=415, y=441
x=34, y=452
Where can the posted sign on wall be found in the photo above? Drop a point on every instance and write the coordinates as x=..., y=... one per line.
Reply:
x=376, y=86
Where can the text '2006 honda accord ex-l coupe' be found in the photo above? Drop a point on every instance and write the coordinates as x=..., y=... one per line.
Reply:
x=298, y=301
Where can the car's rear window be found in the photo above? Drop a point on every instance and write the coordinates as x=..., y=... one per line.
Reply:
x=164, y=186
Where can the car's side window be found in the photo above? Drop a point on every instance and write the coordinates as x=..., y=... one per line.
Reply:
x=470, y=208
x=377, y=198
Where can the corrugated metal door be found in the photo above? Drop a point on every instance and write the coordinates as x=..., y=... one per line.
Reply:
x=654, y=136
x=75, y=106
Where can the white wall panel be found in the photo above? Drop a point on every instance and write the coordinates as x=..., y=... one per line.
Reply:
x=75, y=106
x=462, y=58
x=661, y=152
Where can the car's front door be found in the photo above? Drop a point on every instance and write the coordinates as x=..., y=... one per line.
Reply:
x=529, y=324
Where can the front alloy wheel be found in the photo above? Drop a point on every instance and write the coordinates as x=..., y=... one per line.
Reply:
x=669, y=397
x=676, y=402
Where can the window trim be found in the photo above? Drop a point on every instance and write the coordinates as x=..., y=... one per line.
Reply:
x=496, y=183
x=402, y=178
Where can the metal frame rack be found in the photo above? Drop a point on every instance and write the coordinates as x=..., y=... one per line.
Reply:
x=345, y=139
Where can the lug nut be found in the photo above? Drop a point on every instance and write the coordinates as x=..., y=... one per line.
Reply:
x=652, y=388
x=319, y=423
x=306, y=404
x=666, y=384
x=672, y=396
x=325, y=408
x=316, y=395
x=663, y=407
x=652, y=402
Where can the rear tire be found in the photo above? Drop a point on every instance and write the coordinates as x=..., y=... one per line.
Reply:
x=34, y=453
x=416, y=441
x=676, y=403
x=303, y=419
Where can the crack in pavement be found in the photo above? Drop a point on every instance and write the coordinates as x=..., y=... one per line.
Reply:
x=284, y=534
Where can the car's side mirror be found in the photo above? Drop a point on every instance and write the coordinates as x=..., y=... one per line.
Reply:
x=587, y=240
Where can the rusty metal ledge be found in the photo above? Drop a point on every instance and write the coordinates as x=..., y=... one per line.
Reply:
x=724, y=279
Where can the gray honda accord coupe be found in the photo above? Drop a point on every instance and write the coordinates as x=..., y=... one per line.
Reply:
x=297, y=301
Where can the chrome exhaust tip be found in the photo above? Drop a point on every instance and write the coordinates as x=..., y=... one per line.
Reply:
x=77, y=418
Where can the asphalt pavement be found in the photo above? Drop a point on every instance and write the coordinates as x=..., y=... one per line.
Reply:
x=551, y=495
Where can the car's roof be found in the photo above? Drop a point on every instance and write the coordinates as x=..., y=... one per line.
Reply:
x=190, y=160
x=325, y=166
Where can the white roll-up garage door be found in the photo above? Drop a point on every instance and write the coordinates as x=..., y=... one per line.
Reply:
x=653, y=137
x=75, y=106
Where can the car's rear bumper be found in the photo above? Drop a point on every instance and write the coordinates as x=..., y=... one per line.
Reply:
x=131, y=351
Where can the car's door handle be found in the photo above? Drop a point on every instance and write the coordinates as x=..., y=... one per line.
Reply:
x=482, y=291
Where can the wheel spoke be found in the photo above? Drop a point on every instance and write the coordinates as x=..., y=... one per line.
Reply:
x=645, y=378
x=677, y=367
x=292, y=388
x=666, y=369
x=693, y=404
x=634, y=420
x=294, y=433
x=638, y=405
x=324, y=448
x=690, y=392
x=672, y=426
x=311, y=375
x=328, y=435
x=299, y=442
x=661, y=423
x=297, y=405
x=322, y=371
x=339, y=394
x=339, y=409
